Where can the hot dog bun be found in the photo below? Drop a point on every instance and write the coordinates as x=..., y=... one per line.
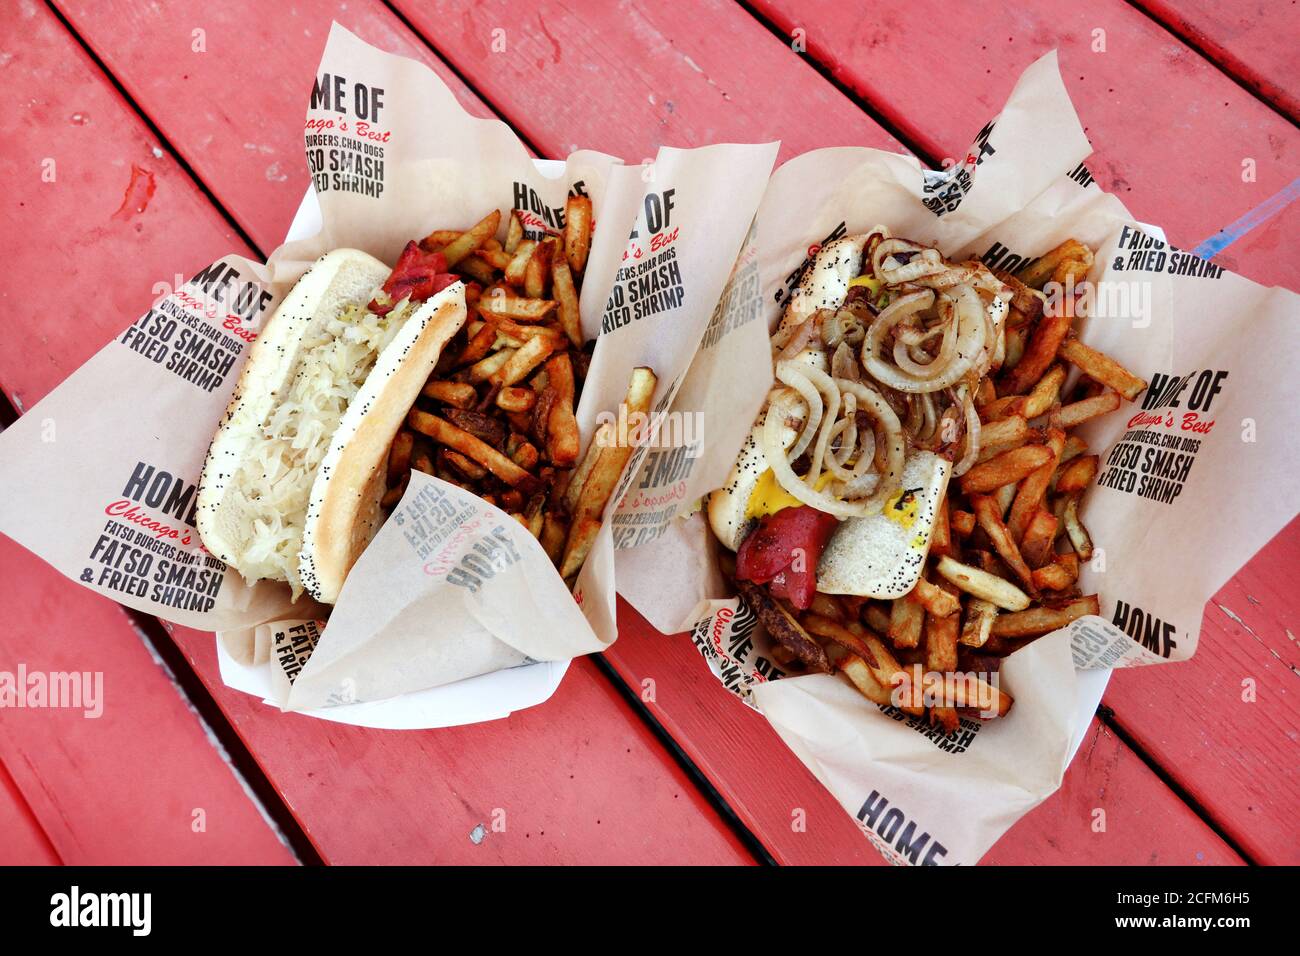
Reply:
x=877, y=556
x=314, y=357
x=343, y=514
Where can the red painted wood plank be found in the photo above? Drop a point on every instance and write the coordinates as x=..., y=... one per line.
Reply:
x=578, y=779
x=242, y=137
x=765, y=784
x=81, y=777
x=1238, y=760
x=623, y=790
x=1253, y=42
x=1227, y=728
x=1171, y=132
x=22, y=841
x=630, y=77
x=138, y=784
x=742, y=756
x=690, y=659
x=1138, y=824
x=736, y=748
x=1156, y=151
x=70, y=151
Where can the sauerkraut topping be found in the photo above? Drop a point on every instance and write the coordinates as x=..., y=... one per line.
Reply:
x=274, y=483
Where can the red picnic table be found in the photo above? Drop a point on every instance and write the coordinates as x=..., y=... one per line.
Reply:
x=145, y=139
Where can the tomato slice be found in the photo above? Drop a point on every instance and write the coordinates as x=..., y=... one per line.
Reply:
x=783, y=552
x=417, y=275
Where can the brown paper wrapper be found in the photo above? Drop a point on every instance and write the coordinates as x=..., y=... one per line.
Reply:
x=102, y=473
x=1188, y=490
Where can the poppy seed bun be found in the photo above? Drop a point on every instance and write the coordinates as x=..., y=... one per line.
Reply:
x=344, y=514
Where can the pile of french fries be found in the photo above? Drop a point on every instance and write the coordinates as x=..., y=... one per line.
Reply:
x=497, y=415
x=1004, y=556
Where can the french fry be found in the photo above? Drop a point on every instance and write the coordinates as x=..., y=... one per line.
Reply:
x=1059, y=575
x=554, y=533
x=604, y=436
x=463, y=464
x=1006, y=468
x=1037, y=273
x=1044, y=395
x=1013, y=430
x=562, y=441
x=941, y=656
x=439, y=238
x=1070, y=272
x=782, y=655
x=519, y=264
x=990, y=519
x=963, y=523
x=885, y=669
x=472, y=239
x=1068, y=416
x=1002, y=408
x=935, y=600
x=1005, y=496
x=399, y=456
x=394, y=494
x=1074, y=447
x=459, y=394
x=566, y=300
x=953, y=690
x=514, y=232
x=1040, y=350
x=515, y=334
x=1029, y=497
x=515, y=399
x=857, y=671
x=1102, y=368
x=1039, y=538
x=1028, y=302
x=496, y=258
x=538, y=269
x=875, y=617
x=827, y=605
x=1043, y=620
x=582, y=534
x=476, y=269
x=484, y=369
x=981, y=584
x=457, y=439
x=834, y=631
x=905, y=620
x=535, y=520
x=577, y=232
x=941, y=537
x=603, y=476
x=498, y=302
x=421, y=460
x=1078, y=474
x=1078, y=534
x=525, y=455
x=522, y=361
x=977, y=627
x=479, y=344
x=1015, y=347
